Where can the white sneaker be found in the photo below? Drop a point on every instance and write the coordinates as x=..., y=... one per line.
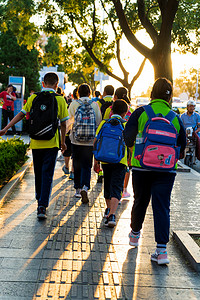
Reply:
x=78, y=193
x=161, y=258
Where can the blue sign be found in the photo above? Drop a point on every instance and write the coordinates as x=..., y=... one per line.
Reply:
x=19, y=83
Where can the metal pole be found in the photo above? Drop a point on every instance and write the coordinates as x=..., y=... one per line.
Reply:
x=196, y=94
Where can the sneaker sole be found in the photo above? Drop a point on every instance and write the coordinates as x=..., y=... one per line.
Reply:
x=41, y=217
x=110, y=224
x=77, y=196
x=160, y=261
x=134, y=244
x=84, y=197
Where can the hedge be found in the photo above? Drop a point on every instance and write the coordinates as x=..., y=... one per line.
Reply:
x=12, y=157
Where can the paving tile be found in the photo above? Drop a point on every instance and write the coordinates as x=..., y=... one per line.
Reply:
x=72, y=255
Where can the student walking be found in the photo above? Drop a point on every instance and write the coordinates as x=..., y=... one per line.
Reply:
x=85, y=116
x=122, y=93
x=114, y=173
x=150, y=181
x=107, y=99
x=45, y=143
x=67, y=154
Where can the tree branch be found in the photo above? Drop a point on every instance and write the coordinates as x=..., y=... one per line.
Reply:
x=168, y=16
x=117, y=39
x=145, y=51
x=145, y=21
x=94, y=26
x=138, y=73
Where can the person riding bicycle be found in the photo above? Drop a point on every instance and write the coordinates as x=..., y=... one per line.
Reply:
x=191, y=122
x=191, y=118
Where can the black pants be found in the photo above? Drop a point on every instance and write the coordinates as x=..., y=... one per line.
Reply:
x=44, y=161
x=82, y=162
x=7, y=115
x=158, y=185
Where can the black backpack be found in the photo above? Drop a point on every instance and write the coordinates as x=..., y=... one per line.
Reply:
x=104, y=106
x=43, y=121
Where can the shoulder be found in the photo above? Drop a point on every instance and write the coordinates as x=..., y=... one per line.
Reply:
x=60, y=99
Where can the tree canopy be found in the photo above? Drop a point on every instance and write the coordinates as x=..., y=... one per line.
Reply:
x=186, y=83
x=16, y=60
x=165, y=21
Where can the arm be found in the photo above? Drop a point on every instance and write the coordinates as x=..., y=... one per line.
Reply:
x=12, y=97
x=131, y=128
x=97, y=113
x=15, y=120
x=63, y=127
x=181, y=141
x=198, y=123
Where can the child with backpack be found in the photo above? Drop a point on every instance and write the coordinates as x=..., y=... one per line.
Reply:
x=156, y=134
x=85, y=116
x=110, y=149
x=45, y=108
x=104, y=103
x=122, y=93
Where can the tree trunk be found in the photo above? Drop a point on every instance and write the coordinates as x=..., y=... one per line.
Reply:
x=161, y=61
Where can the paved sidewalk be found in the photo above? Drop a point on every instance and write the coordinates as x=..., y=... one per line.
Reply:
x=72, y=255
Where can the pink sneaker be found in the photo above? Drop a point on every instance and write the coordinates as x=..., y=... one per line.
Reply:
x=134, y=239
x=126, y=195
x=161, y=258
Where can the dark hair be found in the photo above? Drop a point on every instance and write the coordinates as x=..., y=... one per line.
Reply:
x=51, y=78
x=60, y=91
x=121, y=93
x=84, y=90
x=97, y=93
x=109, y=90
x=162, y=89
x=75, y=96
x=9, y=85
x=119, y=107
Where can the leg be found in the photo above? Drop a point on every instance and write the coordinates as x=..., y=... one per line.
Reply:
x=107, y=179
x=67, y=155
x=142, y=194
x=161, y=193
x=37, y=164
x=77, y=166
x=116, y=174
x=86, y=165
x=5, y=118
x=48, y=166
x=126, y=179
x=11, y=116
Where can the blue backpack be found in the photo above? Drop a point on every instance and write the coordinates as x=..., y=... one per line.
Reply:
x=109, y=146
x=157, y=148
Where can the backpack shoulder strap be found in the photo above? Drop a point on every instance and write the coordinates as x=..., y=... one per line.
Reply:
x=149, y=111
x=79, y=101
x=90, y=102
x=102, y=101
x=171, y=115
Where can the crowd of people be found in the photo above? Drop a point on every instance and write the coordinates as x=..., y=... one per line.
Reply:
x=81, y=118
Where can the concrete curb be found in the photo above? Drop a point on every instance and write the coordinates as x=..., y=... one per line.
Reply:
x=189, y=247
x=8, y=188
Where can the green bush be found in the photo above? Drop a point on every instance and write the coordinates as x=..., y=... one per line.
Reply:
x=12, y=157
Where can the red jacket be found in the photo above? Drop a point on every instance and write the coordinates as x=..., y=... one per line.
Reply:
x=7, y=101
